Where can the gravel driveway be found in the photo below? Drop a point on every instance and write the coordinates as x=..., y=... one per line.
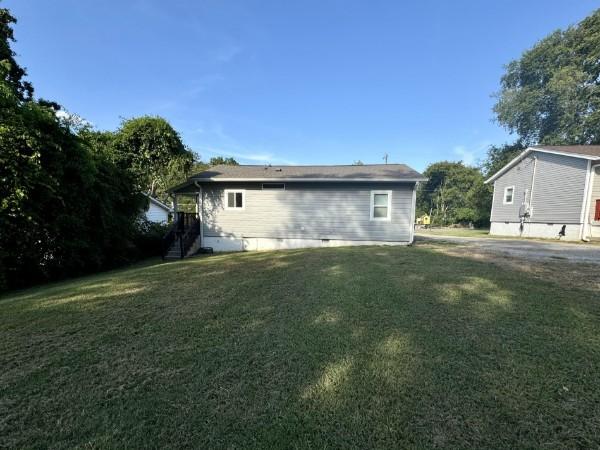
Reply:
x=524, y=248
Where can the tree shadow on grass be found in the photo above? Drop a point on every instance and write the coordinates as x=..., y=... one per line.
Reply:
x=347, y=347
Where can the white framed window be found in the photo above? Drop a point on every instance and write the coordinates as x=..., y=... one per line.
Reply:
x=381, y=205
x=235, y=199
x=509, y=195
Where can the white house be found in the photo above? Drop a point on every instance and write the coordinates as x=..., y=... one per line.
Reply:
x=157, y=211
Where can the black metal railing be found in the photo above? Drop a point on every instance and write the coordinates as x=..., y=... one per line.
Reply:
x=183, y=233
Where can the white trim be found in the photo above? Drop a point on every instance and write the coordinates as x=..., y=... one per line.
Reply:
x=235, y=191
x=535, y=160
x=493, y=199
x=158, y=203
x=412, y=214
x=556, y=152
x=389, y=206
x=316, y=180
x=585, y=207
x=594, y=175
x=536, y=149
x=201, y=214
x=512, y=195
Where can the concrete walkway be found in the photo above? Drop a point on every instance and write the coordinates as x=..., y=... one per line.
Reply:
x=524, y=248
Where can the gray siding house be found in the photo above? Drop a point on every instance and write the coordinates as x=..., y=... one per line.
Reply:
x=271, y=207
x=547, y=189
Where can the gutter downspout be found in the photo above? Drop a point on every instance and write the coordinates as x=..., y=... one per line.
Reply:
x=412, y=214
x=590, y=187
x=535, y=160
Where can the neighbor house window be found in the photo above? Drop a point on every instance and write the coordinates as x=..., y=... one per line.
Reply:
x=509, y=194
x=381, y=205
x=273, y=186
x=597, y=211
x=235, y=199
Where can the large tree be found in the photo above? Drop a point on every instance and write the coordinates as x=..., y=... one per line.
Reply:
x=152, y=151
x=453, y=193
x=12, y=74
x=65, y=208
x=551, y=95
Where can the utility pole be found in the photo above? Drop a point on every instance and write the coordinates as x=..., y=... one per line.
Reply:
x=385, y=157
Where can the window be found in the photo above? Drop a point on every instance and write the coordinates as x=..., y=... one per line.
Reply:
x=235, y=199
x=597, y=212
x=381, y=205
x=273, y=186
x=509, y=194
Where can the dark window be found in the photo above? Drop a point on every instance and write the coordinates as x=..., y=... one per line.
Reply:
x=273, y=186
x=597, y=213
x=235, y=199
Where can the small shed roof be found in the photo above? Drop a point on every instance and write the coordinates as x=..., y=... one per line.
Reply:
x=159, y=203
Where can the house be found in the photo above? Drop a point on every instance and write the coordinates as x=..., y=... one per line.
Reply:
x=425, y=219
x=269, y=207
x=549, y=192
x=157, y=211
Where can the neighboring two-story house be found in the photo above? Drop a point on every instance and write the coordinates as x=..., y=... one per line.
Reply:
x=549, y=192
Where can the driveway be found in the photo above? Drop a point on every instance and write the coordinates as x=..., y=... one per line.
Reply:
x=524, y=248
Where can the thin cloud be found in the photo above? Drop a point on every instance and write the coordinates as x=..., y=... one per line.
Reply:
x=203, y=84
x=466, y=156
x=258, y=157
x=227, y=53
x=470, y=155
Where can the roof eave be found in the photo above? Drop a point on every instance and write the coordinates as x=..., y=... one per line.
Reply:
x=159, y=203
x=290, y=180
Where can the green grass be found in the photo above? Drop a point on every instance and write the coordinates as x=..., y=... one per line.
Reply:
x=348, y=348
x=458, y=232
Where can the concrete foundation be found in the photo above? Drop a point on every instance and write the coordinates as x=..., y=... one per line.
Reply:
x=536, y=230
x=235, y=244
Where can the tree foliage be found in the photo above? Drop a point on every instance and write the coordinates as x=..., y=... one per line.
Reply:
x=500, y=155
x=152, y=151
x=551, y=95
x=12, y=74
x=219, y=160
x=65, y=207
x=454, y=193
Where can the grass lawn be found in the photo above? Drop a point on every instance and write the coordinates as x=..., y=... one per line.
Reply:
x=350, y=347
x=458, y=232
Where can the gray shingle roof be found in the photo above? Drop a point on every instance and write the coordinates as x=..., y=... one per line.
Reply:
x=384, y=172
x=588, y=150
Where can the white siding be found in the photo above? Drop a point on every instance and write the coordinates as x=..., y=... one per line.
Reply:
x=156, y=214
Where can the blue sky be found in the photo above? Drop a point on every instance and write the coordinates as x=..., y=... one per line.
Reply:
x=302, y=82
